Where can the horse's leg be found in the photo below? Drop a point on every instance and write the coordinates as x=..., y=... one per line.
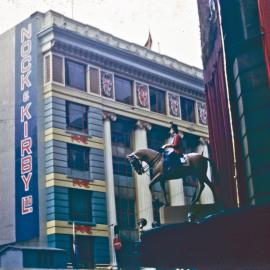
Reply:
x=194, y=195
x=162, y=184
x=211, y=186
x=199, y=193
x=159, y=179
x=154, y=181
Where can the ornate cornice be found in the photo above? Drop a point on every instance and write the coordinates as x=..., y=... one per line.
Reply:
x=96, y=47
x=137, y=73
x=52, y=18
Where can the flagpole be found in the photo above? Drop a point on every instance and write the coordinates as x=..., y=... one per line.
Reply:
x=73, y=231
x=74, y=247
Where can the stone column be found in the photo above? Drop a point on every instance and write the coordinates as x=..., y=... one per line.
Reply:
x=207, y=196
x=143, y=194
x=108, y=163
x=176, y=188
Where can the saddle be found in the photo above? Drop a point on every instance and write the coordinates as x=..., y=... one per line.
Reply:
x=184, y=160
x=171, y=163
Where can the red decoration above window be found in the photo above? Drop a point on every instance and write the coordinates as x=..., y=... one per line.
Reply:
x=83, y=229
x=79, y=138
x=81, y=183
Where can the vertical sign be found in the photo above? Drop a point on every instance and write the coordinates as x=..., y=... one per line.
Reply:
x=27, y=216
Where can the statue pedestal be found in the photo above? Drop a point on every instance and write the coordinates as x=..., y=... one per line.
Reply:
x=179, y=214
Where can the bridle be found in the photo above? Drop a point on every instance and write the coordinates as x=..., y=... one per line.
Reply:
x=136, y=163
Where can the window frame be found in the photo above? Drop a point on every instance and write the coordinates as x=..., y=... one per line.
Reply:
x=85, y=65
x=195, y=102
x=89, y=214
x=50, y=68
x=63, y=71
x=89, y=81
x=131, y=89
x=165, y=103
x=122, y=162
x=70, y=128
x=127, y=203
x=86, y=157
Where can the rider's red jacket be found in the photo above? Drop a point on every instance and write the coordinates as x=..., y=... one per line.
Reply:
x=176, y=144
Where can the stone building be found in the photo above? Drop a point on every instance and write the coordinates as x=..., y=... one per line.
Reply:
x=74, y=102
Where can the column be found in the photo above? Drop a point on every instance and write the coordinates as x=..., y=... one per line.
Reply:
x=176, y=188
x=207, y=195
x=108, y=163
x=143, y=194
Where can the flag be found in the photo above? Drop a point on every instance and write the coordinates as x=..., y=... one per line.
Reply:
x=149, y=42
x=75, y=248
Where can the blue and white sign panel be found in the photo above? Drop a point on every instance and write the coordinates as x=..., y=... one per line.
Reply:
x=27, y=215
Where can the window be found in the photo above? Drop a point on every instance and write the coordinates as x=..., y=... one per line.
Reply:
x=80, y=205
x=121, y=132
x=121, y=166
x=58, y=69
x=187, y=109
x=75, y=75
x=78, y=157
x=157, y=100
x=123, y=90
x=125, y=213
x=121, y=138
x=94, y=80
x=85, y=246
x=47, y=69
x=156, y=137
x=77, y=116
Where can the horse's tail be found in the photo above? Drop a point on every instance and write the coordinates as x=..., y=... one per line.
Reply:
x=214, y=169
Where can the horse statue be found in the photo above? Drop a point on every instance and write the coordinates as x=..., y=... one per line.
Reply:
x=196, y=165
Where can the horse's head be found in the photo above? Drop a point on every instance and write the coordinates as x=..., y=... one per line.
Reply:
x=135, y=163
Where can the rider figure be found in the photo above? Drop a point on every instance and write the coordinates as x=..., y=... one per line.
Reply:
x=177, y=153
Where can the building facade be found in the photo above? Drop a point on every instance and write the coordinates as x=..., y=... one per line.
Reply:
x=74, y=102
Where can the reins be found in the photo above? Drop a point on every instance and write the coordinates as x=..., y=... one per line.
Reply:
x=151, y=164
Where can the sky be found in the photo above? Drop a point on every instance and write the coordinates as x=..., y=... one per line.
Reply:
x=174, y=24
